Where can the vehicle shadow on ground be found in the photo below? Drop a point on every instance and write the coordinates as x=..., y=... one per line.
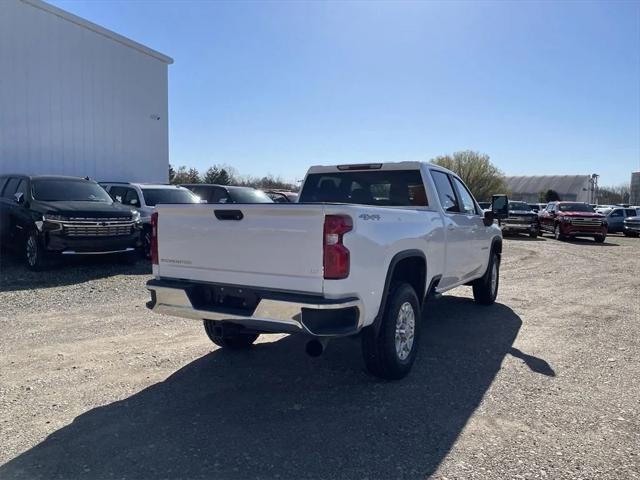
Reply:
x=524, y=238
x=590, y=242
x=14, y=275
x=272, y=411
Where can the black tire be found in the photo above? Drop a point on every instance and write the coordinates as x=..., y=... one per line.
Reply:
x=599, y=238
x=485, y=290
x=630, y=234
x=379, y=350
x=556, y=232
x=33, y=252
x=145, y=251
x=233, y=341
x=533, y=234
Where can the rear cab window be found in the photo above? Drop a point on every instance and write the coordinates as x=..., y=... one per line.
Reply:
x=393, y=188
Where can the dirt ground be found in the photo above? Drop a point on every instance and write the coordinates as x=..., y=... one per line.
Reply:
x=544, y=384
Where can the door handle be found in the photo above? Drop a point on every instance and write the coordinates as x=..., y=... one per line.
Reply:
x=451, y=227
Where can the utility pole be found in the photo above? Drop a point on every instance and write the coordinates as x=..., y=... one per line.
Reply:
x=593, y=188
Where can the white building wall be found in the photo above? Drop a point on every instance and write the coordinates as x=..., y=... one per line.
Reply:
x=77, y=102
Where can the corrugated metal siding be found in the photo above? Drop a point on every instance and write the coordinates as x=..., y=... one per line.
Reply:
x=74, y=102
x=569, y=187
x=635, y=188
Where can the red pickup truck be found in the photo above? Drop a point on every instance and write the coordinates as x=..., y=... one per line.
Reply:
x=573, y=219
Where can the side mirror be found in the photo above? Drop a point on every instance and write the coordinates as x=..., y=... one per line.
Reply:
x=500, y=206
x=488, y=218
x=19, y=198
x=133, y=201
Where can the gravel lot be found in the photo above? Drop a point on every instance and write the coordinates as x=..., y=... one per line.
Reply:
x=542, y=385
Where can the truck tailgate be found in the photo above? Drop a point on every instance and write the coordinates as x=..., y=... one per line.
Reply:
x=261, y=245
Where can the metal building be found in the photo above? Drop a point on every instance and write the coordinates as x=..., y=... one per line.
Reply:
x=634, y=198
x=78, y=99
x=579, y=188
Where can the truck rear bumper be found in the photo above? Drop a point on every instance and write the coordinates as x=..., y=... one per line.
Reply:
x=257, y=310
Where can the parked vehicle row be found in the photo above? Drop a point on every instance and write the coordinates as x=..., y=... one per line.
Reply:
x=359, y=254
x=565, y=220
x=42, y=216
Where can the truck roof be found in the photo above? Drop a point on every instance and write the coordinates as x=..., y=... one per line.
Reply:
x=410, y=165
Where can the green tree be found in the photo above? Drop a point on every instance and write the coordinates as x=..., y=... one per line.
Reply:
x=172, y=174
x=224, y=178
x=182, y=175
x=475, y=169
x=211, y=175
x=551, y=196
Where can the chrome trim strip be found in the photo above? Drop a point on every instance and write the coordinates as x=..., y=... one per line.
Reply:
x=73, y=252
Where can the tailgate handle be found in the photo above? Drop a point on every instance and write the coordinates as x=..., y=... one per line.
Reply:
x=229, y=214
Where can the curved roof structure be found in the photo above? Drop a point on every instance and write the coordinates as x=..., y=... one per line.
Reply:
x=560, y=183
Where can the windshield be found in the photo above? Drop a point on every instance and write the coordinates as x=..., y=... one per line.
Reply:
x=519, y=206
x=69, y=191
x=400, y=188
x=248, y=195
x=574, y=207
x=154, y=196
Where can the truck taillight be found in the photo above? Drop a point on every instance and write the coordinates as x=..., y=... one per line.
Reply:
x=336, y=255
x=154, y=238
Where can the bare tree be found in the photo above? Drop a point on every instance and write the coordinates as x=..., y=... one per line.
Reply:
x=614, y=195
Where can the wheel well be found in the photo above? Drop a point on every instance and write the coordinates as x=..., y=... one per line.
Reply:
x=411, y=270
x=409, y=267
x=497, y=246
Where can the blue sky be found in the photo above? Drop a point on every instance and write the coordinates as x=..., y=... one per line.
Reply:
x=273, y=87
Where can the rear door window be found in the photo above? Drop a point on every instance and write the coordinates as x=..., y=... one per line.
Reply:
x=468, y=203
x=630, y=212
x=446, y=194
x=617, y=213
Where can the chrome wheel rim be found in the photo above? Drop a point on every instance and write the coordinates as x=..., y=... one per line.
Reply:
x=494, y=277
x=405, y=330
x=32, y=250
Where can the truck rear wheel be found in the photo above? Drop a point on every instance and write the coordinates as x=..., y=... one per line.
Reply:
x=485, y=289
x=234, y=341
x=390, y=351
x=600, y=238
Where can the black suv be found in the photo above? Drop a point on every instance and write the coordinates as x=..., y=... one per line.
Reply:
x=45, y=215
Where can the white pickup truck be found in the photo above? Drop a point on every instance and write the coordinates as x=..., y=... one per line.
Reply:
x=358, y=255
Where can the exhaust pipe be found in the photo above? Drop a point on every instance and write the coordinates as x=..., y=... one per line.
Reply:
x=316, y=347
